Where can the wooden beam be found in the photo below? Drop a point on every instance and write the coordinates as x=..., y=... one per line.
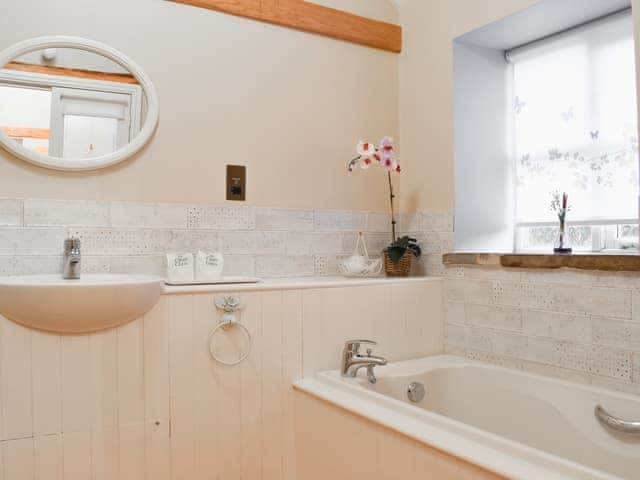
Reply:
x=310, y=17
x=72, y=72
x=26, y=132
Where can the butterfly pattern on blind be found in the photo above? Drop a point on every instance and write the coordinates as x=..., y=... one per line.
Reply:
x=575, y=125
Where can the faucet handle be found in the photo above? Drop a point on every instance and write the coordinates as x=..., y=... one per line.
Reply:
x=72, y=243
x=354, y=345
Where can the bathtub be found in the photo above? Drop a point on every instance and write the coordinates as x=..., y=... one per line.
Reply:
x=515, y=424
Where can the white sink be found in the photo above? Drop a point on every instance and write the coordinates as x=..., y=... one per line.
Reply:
x=95, y=302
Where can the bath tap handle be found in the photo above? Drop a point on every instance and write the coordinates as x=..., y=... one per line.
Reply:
x=615, y=423
x=353, y=346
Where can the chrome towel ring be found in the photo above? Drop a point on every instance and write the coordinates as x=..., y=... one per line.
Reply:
x=229, y=304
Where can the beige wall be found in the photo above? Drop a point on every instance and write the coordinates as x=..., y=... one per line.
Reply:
x=426, y=92
x=287, y=104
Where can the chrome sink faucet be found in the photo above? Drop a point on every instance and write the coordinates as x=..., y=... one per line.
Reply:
x=72, y=257
x=352, y=360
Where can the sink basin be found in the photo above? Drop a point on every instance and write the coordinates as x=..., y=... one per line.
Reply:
x=95, y=302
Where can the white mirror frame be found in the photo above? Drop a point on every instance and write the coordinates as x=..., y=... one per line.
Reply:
x=103, y=161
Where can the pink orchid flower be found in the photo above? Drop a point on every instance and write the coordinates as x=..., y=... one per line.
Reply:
x=367, y=152
x=386, y=144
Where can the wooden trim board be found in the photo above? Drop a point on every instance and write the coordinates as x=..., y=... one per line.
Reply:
x=72, y=72
x=25, y=132
x=583, y=261
x=310, y=17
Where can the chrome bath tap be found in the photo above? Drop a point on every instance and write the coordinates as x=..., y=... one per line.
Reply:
x=72, y=257
x=352, y=360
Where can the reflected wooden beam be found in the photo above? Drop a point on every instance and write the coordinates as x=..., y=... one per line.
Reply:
x=310, y=17
x=25, y=132
x=72, y=72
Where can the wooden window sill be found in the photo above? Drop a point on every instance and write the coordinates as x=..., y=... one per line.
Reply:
x=613, y=262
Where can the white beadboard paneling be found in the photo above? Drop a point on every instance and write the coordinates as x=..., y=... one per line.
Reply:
x=131, y=375
x=76, y=451
x=46, y=381
x=11, y=212
x=76, y=386
x=158, y=451
x=42, y=213
x=312, y=313
x=145, y=400
x=291, y=372
x=229, y=404
x=333, y=316
x=132, y=452
x=272, y=385
x=156, y=362
x=105, y=454
x=48, y=457
x=206, y=393
x=103, y=374
x=183, y=386
x=252, y=394
x=16, y=374
x=19, y=459
x=140, y=215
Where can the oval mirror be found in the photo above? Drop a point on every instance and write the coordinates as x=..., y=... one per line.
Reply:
x=73, y=104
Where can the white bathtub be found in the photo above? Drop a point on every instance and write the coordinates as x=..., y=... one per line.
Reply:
x=516, y=424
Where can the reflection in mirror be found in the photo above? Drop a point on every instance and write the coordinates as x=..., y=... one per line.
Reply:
x=69, y=103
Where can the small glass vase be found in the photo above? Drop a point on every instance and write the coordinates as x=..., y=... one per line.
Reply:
x=562, y=244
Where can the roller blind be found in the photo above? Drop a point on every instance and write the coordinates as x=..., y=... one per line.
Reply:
x=575, y=123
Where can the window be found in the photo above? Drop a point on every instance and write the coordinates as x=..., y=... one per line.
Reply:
x=575, y=130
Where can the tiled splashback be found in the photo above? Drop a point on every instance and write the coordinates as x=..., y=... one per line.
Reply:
x=122, y=237
x=580, y=326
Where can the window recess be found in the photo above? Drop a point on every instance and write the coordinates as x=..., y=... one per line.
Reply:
x=554, y=114
x=575, y=130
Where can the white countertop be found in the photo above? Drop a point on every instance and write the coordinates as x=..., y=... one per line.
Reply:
x=297, y=283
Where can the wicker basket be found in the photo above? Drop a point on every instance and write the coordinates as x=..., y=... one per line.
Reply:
x=400, y=269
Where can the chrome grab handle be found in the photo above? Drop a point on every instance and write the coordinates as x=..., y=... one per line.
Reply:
x=616, y=424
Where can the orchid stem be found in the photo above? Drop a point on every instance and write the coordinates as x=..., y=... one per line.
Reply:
x=393, y=218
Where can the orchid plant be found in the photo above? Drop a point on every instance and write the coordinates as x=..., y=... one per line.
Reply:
x=385, y=156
